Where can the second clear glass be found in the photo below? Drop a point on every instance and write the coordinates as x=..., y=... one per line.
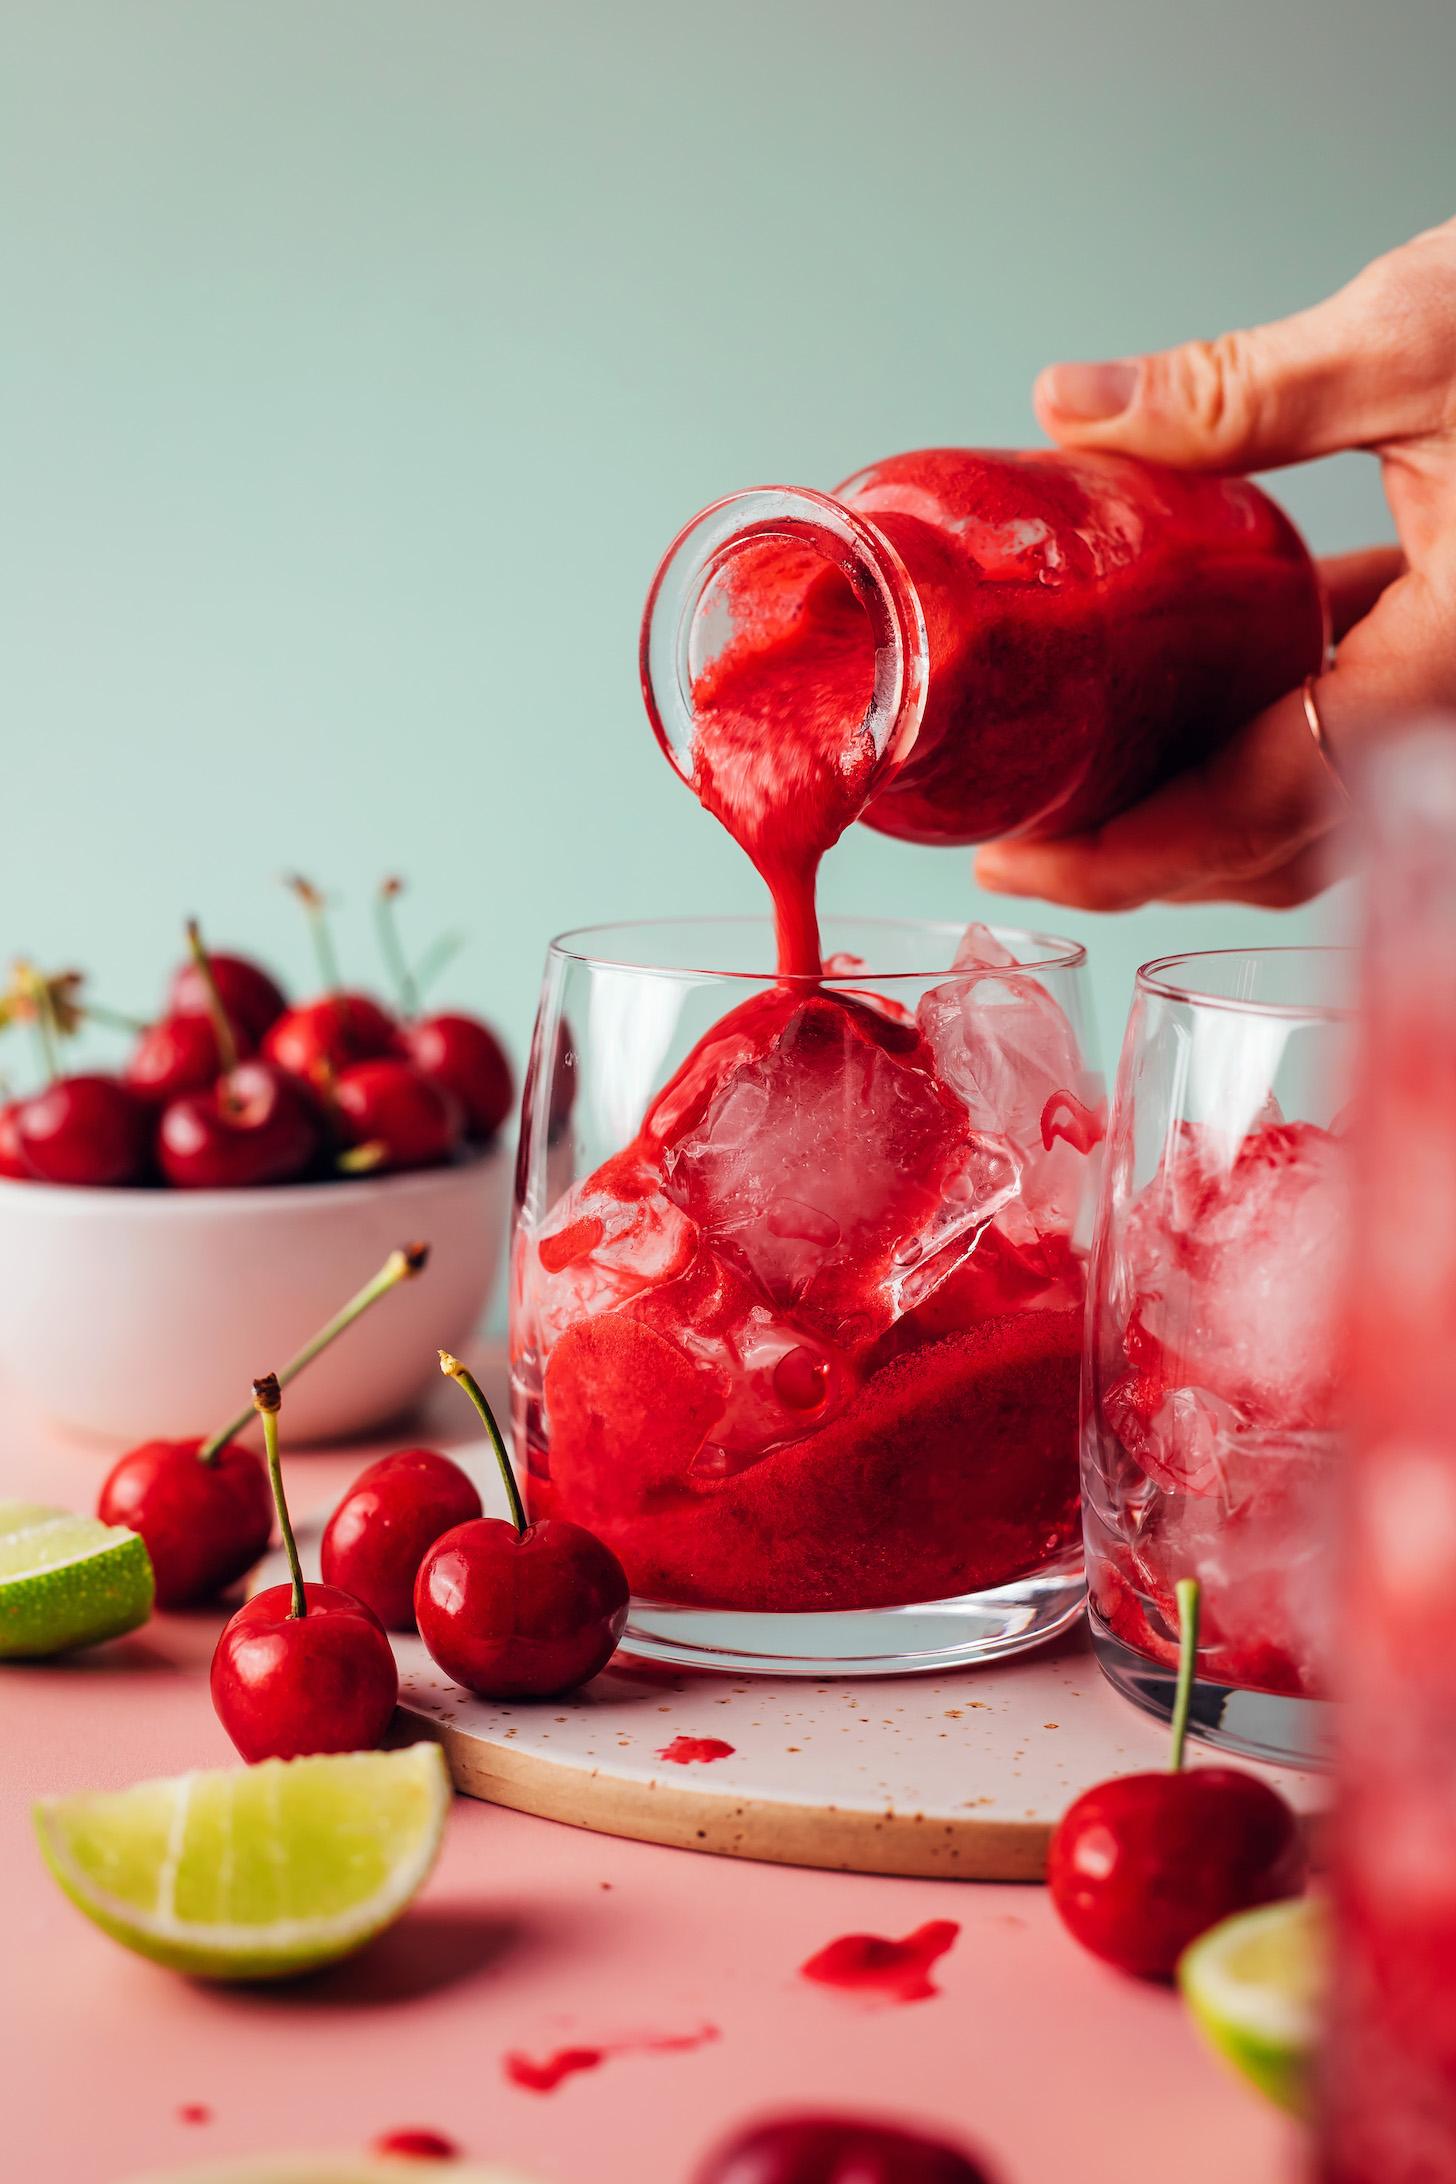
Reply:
x=797, y=1286
x=1212, y=1391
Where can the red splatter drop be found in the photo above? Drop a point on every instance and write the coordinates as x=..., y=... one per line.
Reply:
x=545, y=2076
x=869, y=1964
x=684, y=1750
x=419, y=2145
x=194, y=2112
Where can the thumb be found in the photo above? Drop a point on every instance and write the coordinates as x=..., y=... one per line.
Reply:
x=1369, y=365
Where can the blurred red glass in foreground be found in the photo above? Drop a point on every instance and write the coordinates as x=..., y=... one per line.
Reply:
x=1388, y=2111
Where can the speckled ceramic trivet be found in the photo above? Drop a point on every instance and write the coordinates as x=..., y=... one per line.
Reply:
x=957, y=1776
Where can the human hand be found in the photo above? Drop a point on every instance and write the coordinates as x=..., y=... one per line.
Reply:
x=1264, y=819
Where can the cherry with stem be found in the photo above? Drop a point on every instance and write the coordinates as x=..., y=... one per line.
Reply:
x=1142, y=1865
x=516, y=1610
x=203, y=1506
x=301, y=1668
x=252, y=1126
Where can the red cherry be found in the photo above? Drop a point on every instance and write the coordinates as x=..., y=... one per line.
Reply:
x=319, y=1039
x=464, y=1055
x=1140, y=1866
x=837, y=2150
x=517, y=1610
x=204, y=1523
x=179, y=1054
x=84, y=1130
x=377, y=1537
x=252, y=1127
x=252, y=999
x=394, y=1116
x=12, y=1154
x=285, y=1683
x=521, y=1615
x=205, y=1508
x=302, y=1668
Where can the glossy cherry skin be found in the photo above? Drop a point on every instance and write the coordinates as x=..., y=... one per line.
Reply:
x=256, y=1126
x=394, y=1107
x=527, y=1615
x=176, y=1055
x=286, y=1684
x=464, y=1055
x=84, y=1130
x=12, y=1156
x=204, y=1524
x=837, y=2150
x=1141, y=1866
x=318, y=1039
x=251, y=998
x=394, y=1512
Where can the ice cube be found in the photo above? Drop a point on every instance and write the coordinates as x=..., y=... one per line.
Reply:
x=777, y=1381
x=1007, y=1049
x=835, y=1171
x=1257, y=1543
x=1232, y=1262
x=609, y=1238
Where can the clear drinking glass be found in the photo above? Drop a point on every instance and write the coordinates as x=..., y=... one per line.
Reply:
x=797, y=1286
x=1212, y=1393
x=1388, y=2086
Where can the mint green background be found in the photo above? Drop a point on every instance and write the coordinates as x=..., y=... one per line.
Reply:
x=358, y=359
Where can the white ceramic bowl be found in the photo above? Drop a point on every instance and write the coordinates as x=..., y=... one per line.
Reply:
x=127, y=1314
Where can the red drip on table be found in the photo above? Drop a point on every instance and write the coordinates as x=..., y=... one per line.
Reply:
x=890, y=1971
x=417, y=2145
x=685, y=1751
x=568, y=2062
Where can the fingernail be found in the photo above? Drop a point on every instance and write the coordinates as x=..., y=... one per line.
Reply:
x=1090, y=392
x=990, y=870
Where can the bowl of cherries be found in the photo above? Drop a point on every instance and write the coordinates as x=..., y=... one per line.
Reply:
x=249, y=1154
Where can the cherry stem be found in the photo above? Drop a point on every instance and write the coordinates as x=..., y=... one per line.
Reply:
x=47, y=1031
x=433, y=961
x=318, y=923
x=222, y=1030
x=266, y=1398
x=394, y=955
x=401, y=1266
x=452, y=1368
x=1186, y=1591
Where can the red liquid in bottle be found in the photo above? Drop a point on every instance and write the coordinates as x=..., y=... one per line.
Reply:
x=960, y=644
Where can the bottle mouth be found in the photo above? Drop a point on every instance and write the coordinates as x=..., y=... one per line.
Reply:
x=704, y=585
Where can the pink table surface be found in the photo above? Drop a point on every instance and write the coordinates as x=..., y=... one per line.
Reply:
x=530, y=1936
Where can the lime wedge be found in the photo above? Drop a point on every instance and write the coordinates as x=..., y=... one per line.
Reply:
x=1254, y=1984
x=336, y=2169
x=256, y=1872
x=67, y=1581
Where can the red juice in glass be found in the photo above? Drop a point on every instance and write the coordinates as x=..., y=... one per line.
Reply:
x=1388, y=2108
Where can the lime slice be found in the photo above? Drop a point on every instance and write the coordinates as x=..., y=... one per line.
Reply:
x=336, y=2169
x=67, y=1581
x=1254, y=1984
x=257, y=1872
